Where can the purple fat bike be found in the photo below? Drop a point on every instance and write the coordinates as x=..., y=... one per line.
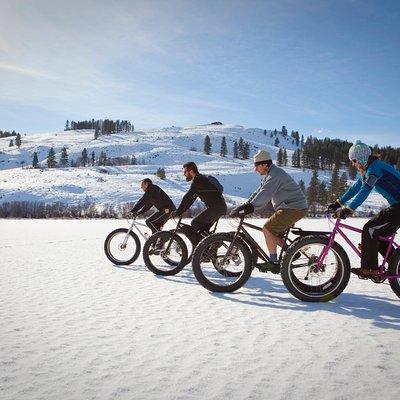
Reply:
x=316, y=268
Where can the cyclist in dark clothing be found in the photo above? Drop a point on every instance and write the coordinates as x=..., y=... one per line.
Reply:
x=154, y=196
x=208, y=193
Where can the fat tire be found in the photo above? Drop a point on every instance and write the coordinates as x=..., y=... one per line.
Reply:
x=108, y=252
x=298, y=289
x=205, y=244
x=394, y=269
x=165, y=235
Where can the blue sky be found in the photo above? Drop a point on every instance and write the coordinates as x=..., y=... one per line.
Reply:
x=325, y=68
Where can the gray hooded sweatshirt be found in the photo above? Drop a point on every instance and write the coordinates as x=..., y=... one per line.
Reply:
x=279, y=187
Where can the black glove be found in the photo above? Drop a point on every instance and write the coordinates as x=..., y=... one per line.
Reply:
x=241, y=211
x=334, y=206
x=344, y=212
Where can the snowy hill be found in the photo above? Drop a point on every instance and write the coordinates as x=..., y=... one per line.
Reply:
x=167, y=147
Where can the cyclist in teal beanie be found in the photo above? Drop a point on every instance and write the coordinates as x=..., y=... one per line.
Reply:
x=385, y=179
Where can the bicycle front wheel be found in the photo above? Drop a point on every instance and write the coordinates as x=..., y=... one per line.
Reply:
x=122, y=247
x=221, y=263
x=165, y=253
x=393, y=270
x=308, y=282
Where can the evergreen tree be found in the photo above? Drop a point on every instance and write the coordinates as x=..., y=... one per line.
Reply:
x=207, y=145
x=11, y=144
x=276, y=142
x=96, y=132
x=342, y=183
x=302, y=141
x=103, y=158
x=133, y=160
x=224, y=149
x=18, y=140
x=284, y=131
x=322, y=195
x=284, y=157
x=265, y=132
x=51, y=159
x=352, y=171
x=85, y=158
x=246, y=151
x=235, y=150
x=279, y=158
x=66, y=126
x=161, y=173
x=35, y=160
x=312, y=193
x=93, y=158
x=240, y=147
x=335, y=184
x=302, y=186
x=64, y=157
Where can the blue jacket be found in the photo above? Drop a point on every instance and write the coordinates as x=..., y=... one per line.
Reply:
x=379, y=176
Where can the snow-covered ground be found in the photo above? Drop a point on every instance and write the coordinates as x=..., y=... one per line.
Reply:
x=168, y=148
x=73, y=326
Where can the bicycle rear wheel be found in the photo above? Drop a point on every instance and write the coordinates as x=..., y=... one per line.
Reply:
x=122, y=248
x=165, y=253
x=216, y=269
x=394, y=269
x=304, y=280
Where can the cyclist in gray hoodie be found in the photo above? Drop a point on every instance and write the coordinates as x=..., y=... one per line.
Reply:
x=288, y=201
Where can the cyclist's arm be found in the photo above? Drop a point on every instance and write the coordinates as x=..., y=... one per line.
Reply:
x=371, y=177
x=142, y=202
x=187, y=201
x=265, y=193
x=351, y=191
x=145, y=208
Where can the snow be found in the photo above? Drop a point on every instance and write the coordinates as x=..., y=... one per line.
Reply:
x=166, y=147
x=73, y=326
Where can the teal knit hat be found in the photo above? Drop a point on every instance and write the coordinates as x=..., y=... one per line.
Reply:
x=359, y=152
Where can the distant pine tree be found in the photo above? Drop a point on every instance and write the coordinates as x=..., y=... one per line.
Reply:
x=312, y=193
x=224, y=148
x=96, y=132
x=284, y=131
x=279, y=158
x=51, y=159
x=335, y=184
x=322, y=195
x=18, y=140
x=240, y=147
x=235, y=150
x=64, y=158
x=35, y=160
x=246, y=151
x=161, y=173
x=276, y=142
x=285, y=157
x=11, y=143
x=133, y=160
x=85, y=158
x=265, y=132
x=67, y=126
x=302, y=186
x=93, y=159
x=207, y=145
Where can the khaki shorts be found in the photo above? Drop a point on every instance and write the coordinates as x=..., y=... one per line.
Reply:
x=283, y=219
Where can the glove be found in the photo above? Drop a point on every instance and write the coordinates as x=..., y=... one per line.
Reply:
x=344, y=212
x=133, y=214
x=334, y=206
x=241, y=211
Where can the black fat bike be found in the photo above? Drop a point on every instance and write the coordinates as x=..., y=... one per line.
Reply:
x=223, y=262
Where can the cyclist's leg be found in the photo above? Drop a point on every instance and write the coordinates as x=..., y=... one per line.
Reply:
x=156, y=221
x=203, y=221
x=383, y=224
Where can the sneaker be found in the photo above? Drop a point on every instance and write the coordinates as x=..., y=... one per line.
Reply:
x=269, y=266
x=366, y=272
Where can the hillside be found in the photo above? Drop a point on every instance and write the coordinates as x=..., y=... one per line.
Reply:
x=168, y=148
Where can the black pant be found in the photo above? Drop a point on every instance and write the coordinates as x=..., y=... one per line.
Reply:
x=156, y=221
x=204, y=221
x=383, y=224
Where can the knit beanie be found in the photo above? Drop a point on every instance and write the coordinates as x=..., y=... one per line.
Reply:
x=262, y=155
x=360, y=152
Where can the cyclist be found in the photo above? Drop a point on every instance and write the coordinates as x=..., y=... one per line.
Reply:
x=154, y=196
x=209, y=191
x=288, y=201
x=378, y=175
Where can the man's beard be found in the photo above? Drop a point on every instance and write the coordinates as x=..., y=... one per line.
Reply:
x=188, y=178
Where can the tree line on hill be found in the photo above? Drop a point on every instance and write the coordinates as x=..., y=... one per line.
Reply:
x=101, y=127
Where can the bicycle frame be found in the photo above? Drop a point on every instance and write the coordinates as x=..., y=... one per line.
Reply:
x=135, y=225
x=338, y=230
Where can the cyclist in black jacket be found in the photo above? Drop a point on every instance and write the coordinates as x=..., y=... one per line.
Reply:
x=208, y=193
x=154, y=196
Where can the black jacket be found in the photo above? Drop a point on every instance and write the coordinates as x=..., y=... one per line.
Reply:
x=154, y=196
x=207, y=192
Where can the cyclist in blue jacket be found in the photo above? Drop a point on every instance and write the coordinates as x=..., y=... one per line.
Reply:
x=385, y=179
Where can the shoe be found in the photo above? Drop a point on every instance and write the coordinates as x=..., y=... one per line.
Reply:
x=269, y=266
x=366, y=272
